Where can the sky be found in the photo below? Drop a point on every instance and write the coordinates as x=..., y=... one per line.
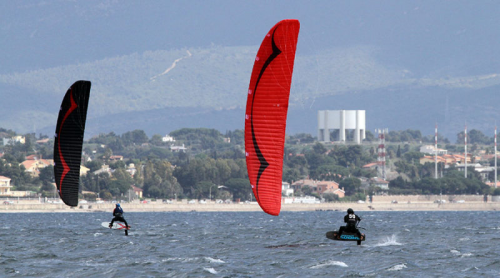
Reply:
x=425, y=35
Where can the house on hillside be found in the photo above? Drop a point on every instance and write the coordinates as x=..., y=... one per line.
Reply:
x=33, y=164
x=431, y=159
x=380, y=183
x=83, y=170
x=5, y=186
x=482, y=170
x=42, y=141
x=326, y=187
x=168, y=138
x=178, y=148
x=371, y=166
x=137, y=191
x=104, y=169
x=492, y=184
x=339, y=192
x=320, y=187
x=116, y=158
x=301, y=183
x=131, y=169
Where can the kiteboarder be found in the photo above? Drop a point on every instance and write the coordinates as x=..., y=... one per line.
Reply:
x=118, y=216
x=352, y=220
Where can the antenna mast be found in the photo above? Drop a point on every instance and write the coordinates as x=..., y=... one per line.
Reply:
x=381, y=151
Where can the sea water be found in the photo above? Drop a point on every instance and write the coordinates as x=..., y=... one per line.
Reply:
x=250, y=244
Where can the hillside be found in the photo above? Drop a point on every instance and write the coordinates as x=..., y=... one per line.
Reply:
x=212, y=82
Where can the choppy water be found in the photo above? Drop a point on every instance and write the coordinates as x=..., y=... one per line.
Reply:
x=250, y=244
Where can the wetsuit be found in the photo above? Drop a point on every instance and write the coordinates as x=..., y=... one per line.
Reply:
x=351, y=219
x=118, y=216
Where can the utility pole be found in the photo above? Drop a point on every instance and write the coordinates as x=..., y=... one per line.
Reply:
x=465, y=150
x=436, y=151
x=495, y=156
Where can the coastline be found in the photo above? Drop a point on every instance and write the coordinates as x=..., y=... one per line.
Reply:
x=243, y=207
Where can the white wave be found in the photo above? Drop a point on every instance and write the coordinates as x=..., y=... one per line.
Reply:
x=210, y=269
x=97, y=234
x=470, y=268
x=407, y=230
x=216, y=261
x=464, y=239
x=455, y=252
x=398, y=267
x=389, y=241
x=335, y=263
x=466, y=255
x=183, y=260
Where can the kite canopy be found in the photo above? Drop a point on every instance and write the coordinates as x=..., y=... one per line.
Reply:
x=266, y=111
x=69, y=140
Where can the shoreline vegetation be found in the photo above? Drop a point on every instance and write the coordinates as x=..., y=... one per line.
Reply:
x=247, y=207
x=202, y=164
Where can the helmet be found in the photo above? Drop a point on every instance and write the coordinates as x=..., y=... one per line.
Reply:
x=350, y=210
x=117, y=205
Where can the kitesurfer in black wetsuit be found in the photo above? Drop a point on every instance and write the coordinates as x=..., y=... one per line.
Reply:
x=351, y=219
x=118, y=216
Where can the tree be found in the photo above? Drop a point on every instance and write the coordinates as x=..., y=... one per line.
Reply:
x=319, y=148
x=307, y=190
x=136, y=137
x=412, y=157
x=350, y=185
x=47, y=174
x=240, y=188
x=156, y=140
x=94, y=165
x=330, y=197
x=330, y=172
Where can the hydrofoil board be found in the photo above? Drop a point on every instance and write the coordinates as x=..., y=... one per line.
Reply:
x=346, y=236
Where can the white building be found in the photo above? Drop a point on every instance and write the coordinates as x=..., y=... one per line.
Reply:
x=5, y=185
x=430, y=149
x=482, y=170
x=341, y=120
x=131, y=169
x=286, y=189
x=177, y=148
x=301, y=200
x=168, y=138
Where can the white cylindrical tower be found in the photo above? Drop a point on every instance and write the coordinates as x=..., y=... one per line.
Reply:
x=342, y=126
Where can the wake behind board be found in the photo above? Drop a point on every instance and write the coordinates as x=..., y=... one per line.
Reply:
x=116, y=226
x=346, y=236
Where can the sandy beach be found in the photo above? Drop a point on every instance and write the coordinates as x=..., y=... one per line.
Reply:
x=208, y=207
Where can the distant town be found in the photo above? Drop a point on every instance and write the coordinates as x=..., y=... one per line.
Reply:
x=206, y=165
